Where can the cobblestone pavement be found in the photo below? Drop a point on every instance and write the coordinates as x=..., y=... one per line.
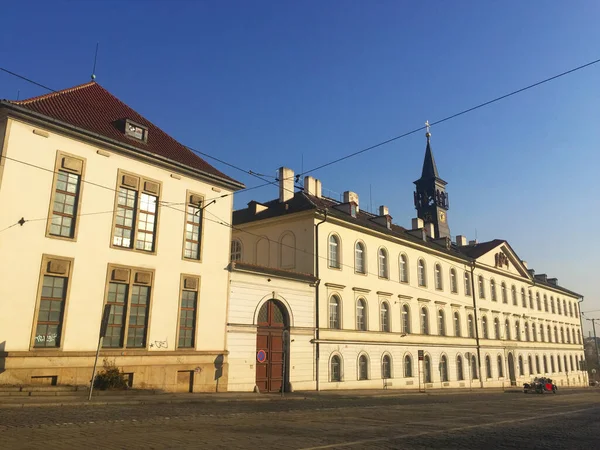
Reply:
x=466, y=421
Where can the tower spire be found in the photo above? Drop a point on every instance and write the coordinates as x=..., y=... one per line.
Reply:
x=429, y=167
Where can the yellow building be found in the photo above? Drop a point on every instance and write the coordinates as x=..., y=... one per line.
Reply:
x=101, y=207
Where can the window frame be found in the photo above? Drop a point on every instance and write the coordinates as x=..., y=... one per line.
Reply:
x=444, y=375
x=405, y=317
x=194, y=200
x=460, y=369
x=493, y=291
x=470, y=326
x=456, y=321
x=441, y=322
x=363, y=357
x=332, y=379
x=188, y=283
x=467, y=280
x=241, y=250
x=337, y=265
x=438, y=277
x=384, y=325
x=403, y=264
x=389, y=366
x=365, y=315
x=338, y=312
x=421, y=273
x=363, y=251
x=504, y=293
x=453, y=281
x=383, y=262
x=424, y=321
x=513, y=294
x=484, y=328
x=481, y=287
x=408, y=367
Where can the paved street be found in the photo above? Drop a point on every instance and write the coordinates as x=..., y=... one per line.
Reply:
x=466, y=421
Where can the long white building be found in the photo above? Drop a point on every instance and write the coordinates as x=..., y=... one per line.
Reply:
x=405, y=308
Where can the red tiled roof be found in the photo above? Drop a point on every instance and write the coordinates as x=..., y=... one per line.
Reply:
x=92, y=108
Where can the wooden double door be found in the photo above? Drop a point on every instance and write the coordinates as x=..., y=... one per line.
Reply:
x=271, y=347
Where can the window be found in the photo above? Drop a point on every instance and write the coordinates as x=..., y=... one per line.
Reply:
x=424, y=321
x=136, y=214
x=334, y=252
x=386, y=367
x=575, y=311
x=403, y=269
x=530, y=300
x=564, y=307
x=441, y=323
x=568, y=336
x=552, y=308
x=438, y=277
x=336, y=368
x=545, y=303
x=65, y=201
x=534, y=332
x=521, y=368
x=408, y=366
x=504, y=294
x=444, y=368
x=188, y=310
x=530, y=363
x=453, y=281
x=523, y=299
x=334, y=312
x=538, y=302
x=422, y=276
x=363, y=368
x=236, y=250
x=361, y=315
x=500, y=367
x=549, y=333
x=470, y=326
x=427, y=368
x=383, y=263
x=552, y=365
x=456, y=324
x=545, y=364
x=556, y=335
x=493, y=294
x=507, y=330
x=474, y=368
x=572, y=365
x=384, y=316
x=359, y=258
x=481, y=286
x=542, y=333
x=513, y=292
x=136, y=131
x=460, y=375
x=484, y=327
x=558, y=306
x=527, y=331
x=571, y=309
x=51, y=302
x=537, y=364
x=565, y=360
x=562, y=335
x=467, y=284
x=405, y=319
x=129, y=299
x=559, y=363
x=496, y=328
x=488, y=367
x=518, y=329
x=193, y=227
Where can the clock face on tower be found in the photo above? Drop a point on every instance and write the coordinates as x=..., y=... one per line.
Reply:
x=442, y=216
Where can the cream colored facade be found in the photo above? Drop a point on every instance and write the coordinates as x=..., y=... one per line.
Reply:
x=32, y=149
x=394, y=306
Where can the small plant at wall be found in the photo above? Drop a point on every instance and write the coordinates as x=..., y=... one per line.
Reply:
x=110, y=378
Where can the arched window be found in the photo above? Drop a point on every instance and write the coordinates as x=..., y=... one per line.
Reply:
x=386, y=367
x=488, y=367
x=564, y=307
x=363, y=368
x=460, y=376
x=481, y=286
x=405, y=319
x=556, y=335
x=453, y=281
x=537, y=364
x=507, y=330
x=361, y=314
x=558, y=306
x=565, y=360
x=562, y=335
x=578, y=337
x=504, y=293
x=496, y=328
x=383, y=263
x=575, y=314
x=334, y=312
x=552, y=366
x=568, y=337
x=467, y=284
x=518, y=329
x=538, y=302
x=545, y=303
x=526, y=331
x=523, y=299
x=427, y=368
x=534, y=332
x=336, y=368
x=545, y=364
x=334, y=252
x=513, y=293
x=493, y=293
x=438, y=277
x=441, y=323
x=559, y=363
x=470, y=326
x=424, y=321
x=500, y=367
x=474, y=368
x=549, y=329
x=236, y=250
x=542, y=337
x=570, y=309
x=403, y=269
x=530, y=363
x=456, y=323
x=521, y=368
x=484, y=327
x=360, y=255
x=384, y=316
x=552, y=308
x=408, y=366
x=530, y=300
x=422, y=276
x=444, y=368
x=287, y=251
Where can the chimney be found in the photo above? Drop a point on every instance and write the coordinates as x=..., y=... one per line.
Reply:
x=553, y=281
x=318, y=189
x=351, y=197
x=384, y=217
x=417, y=223
x=542, y=277
x=286, y=184
x=531, y=272
x=430, y=230
x=310, y=185
x=461, y=240
x=473, y=242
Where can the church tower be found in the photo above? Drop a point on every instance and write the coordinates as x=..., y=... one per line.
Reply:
x=431, y=199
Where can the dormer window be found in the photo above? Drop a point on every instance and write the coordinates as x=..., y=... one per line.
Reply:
x=353, y=209
x=136, y=131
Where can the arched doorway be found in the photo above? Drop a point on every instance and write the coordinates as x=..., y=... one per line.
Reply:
x=511, y=370
x=273, y=324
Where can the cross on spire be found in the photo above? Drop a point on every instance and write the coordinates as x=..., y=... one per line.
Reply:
x=427, y=134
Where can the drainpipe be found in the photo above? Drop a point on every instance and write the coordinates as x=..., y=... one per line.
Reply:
x=476, y=319
x=583, y=340
x=317, y=289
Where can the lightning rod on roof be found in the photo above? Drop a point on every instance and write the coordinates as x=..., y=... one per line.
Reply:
x=95, y=59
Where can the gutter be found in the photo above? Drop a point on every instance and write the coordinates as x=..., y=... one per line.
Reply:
x=317, y=286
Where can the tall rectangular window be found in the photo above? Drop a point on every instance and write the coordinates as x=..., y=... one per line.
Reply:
x=128, y=295
x=136, y=213
x=188, y=309
x=52, y=302
x=193, y=227
x=65, y=196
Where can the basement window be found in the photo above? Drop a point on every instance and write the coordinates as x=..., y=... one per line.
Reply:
x=136, y=131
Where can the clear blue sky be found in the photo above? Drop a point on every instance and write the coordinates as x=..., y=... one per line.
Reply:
x=265, y=84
